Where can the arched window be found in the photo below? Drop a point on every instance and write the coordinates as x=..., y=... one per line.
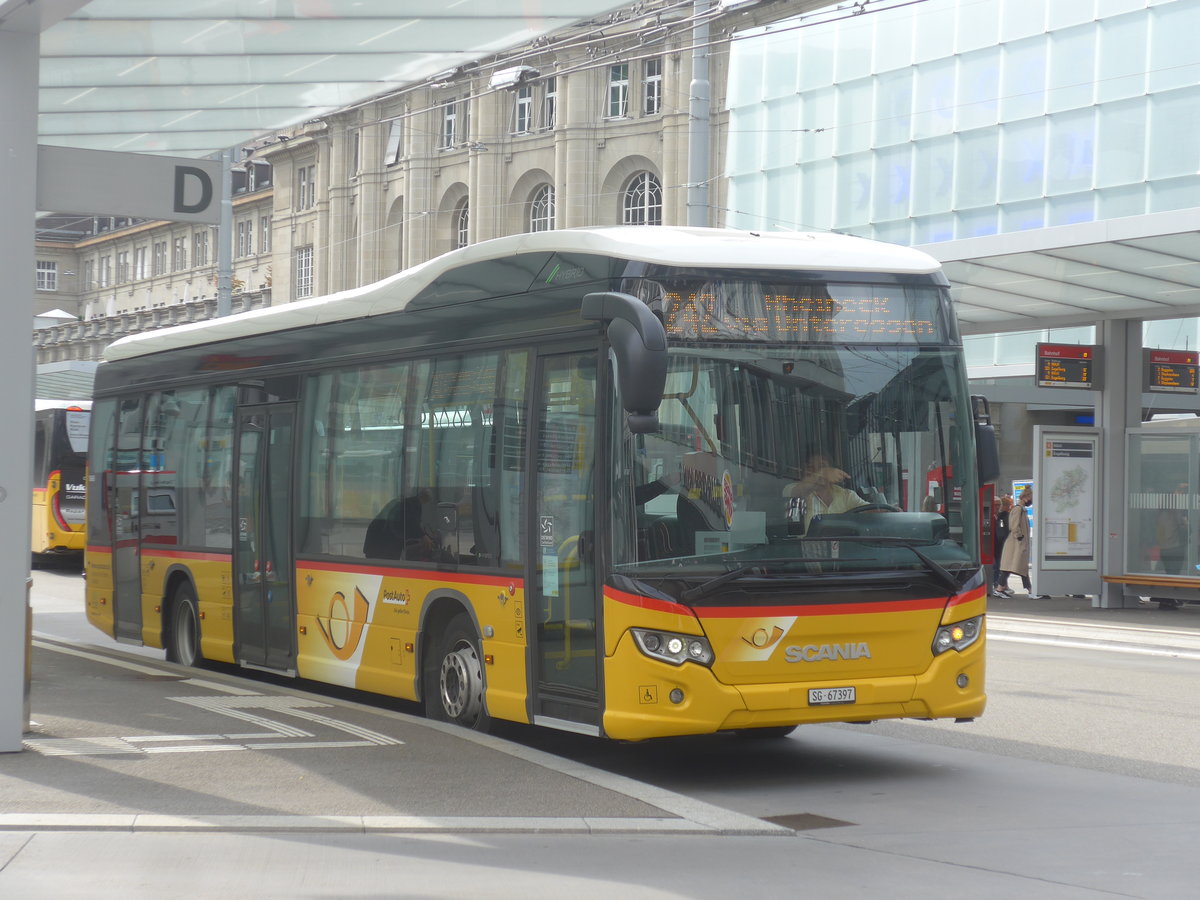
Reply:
x=541, y=209
x=462, y=219
x=641, y=201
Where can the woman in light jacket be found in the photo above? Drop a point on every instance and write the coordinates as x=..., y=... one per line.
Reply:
x=1015, y=558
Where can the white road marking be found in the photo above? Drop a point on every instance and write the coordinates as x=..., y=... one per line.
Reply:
x=237, y=707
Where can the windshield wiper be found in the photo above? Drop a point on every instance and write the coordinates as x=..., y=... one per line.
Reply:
x=759, y=567
x=944, y=575
x=707, y=587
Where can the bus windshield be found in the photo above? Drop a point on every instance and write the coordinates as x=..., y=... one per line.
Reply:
x=832, y=461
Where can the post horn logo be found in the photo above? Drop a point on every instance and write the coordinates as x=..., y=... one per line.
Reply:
x=341, y=629
x=761, y=639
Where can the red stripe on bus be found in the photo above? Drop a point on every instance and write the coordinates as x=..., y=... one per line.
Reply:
x=668, y=606
x=821, y=609
x=920, y=604
x=161, y=553
x=962, y=599
x=424, y=574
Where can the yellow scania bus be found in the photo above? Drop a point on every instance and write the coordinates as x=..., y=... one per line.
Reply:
x=60, y=443
x=563, y=478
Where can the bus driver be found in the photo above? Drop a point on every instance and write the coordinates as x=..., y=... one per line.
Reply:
x=819, y=492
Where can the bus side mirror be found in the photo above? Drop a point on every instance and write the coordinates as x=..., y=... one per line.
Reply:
x=987, y=452
x=639, y=341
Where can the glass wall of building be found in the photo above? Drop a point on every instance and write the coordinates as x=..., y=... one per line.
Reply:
x=952, y=119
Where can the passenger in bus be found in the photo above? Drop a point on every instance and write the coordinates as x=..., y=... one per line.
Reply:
x=820, y=492
x=398, y=531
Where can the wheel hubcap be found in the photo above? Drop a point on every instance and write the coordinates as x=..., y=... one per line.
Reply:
x=186, y=635
x=461, y=684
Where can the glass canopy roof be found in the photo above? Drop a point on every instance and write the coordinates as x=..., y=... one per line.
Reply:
x=193, y=77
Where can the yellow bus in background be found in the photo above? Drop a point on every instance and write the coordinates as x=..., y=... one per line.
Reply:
x=555, y=478
x=59, y=460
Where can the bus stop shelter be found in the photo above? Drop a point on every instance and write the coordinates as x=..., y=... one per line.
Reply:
x=1115, y=275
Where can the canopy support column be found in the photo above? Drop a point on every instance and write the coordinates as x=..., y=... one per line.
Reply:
x=1119, y=409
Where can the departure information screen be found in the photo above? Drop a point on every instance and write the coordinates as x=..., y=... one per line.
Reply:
x=825, y=313
x=1067, y=366
x=1170, y=371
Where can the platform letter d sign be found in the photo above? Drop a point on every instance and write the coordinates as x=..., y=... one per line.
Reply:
x=188, y=181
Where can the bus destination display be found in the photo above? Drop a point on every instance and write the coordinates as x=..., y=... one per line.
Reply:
x=1067, y=366
x=732, y=310
x=1170, y=371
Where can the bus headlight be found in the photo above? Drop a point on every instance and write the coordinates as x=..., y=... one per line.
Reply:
x=673, y=648
x=958, y=636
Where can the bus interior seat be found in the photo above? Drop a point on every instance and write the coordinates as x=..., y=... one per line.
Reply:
x=691, y=519
x=659, y=539
x=485, y=521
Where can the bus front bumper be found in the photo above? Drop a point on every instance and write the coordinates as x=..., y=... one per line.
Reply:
x=645, y=698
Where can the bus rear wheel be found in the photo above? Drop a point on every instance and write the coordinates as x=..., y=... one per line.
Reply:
x=183, y=634
x=454, y=685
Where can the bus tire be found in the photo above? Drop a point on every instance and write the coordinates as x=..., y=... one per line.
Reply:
x=454, y=683
x=183, y=628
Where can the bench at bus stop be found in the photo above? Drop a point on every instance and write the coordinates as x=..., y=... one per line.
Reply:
x=1182, y=588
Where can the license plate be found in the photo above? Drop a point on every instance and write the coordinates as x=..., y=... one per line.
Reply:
x=830, y=696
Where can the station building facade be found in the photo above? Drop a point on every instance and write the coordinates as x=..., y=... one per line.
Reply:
x=588, y=127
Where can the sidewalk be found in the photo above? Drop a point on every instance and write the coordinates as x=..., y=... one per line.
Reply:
x=1080, y=609
x=1145, y=629
x=126, y=744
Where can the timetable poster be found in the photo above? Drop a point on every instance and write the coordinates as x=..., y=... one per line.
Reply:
x=1068, y=499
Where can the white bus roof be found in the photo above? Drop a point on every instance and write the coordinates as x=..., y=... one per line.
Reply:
x=667, y=245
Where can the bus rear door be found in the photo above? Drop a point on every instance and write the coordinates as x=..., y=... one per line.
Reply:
x=264, y=603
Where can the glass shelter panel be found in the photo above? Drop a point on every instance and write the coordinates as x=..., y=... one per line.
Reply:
x=1164, y=502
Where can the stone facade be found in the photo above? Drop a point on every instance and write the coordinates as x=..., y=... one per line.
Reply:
x=590, y=127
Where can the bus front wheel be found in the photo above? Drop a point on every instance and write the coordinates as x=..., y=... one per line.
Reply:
x=454, y=685
x=183, y=635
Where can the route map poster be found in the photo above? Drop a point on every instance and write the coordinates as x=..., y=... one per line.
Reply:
x=1068, y=499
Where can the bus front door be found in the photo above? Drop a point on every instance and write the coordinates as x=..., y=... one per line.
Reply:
x=126, y=516
x=264, y=606
x=563, y=608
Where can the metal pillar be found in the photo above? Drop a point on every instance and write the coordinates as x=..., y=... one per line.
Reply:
x=1119, y=409
x=699, y=125
x=19, y=53
x=225, y=238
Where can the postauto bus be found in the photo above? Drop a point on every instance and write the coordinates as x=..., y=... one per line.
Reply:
x=562, y=478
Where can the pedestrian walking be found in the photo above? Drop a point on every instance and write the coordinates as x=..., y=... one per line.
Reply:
x=1000, y=531
x=1015, y=558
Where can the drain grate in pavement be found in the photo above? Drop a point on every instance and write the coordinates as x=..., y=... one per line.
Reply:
x=805, y=821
